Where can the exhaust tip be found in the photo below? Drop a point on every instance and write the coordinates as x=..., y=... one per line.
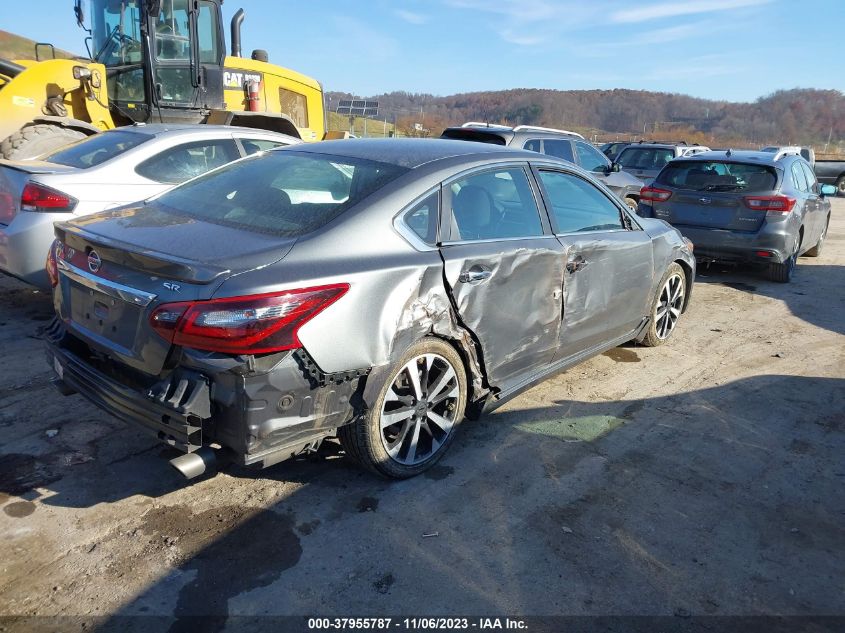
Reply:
x=201, y=461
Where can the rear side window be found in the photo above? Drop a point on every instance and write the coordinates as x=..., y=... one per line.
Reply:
x=648, y=158
x=494, y=205
x=561, y=149
x=187, y=161
x=422, y=219
x=718, y=176
x=282, y=193
x=255, y=145
x=533, y=145
x=97, y=149
x=577, y=205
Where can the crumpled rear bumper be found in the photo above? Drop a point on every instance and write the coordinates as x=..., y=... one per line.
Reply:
x=262, y=410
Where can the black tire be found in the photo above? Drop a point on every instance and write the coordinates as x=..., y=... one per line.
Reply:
x=34, y=140
x=840, y=186
x=632, y=203
x=782, y=273
x=817, y=249
x=659, y=330
x=365, y=441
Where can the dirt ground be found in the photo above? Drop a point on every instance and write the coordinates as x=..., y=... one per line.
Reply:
x=703, y=477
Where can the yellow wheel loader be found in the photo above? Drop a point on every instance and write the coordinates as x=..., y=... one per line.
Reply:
x=152, y=61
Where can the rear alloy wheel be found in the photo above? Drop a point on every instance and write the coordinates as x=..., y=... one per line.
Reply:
x=416, y=415
x=840, y=185
x=817, y=249
x=667, y=308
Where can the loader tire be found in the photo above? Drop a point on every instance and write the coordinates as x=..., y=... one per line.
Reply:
x=34, y=140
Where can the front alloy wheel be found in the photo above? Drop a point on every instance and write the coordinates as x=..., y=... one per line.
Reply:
x=667, y=306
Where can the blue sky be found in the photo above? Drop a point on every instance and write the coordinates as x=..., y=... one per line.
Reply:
x=736, y=50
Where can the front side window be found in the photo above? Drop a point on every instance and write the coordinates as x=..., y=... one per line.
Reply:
x=698, y=175
x=208, y=33
x=811, y=177
x=281, y=193
x=561, y=149
x=799, y=178
x=590, y=158
x=187, y=161
x=172, y=31
x=96, y=149
x=494, y=205
x=647, y=158
x=577, y=205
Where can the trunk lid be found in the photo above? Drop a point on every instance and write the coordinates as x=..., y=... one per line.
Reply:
x=709, y=209
x=118, y=266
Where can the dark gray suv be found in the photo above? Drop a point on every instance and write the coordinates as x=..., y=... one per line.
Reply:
x=569, y=146
x=751, y=207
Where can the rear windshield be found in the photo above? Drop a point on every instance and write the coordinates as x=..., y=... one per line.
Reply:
x=648, y=158
x=718, y=176
x=93, y=150
x=282, y=192
x=464, y=134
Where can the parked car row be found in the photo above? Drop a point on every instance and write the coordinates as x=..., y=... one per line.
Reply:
x=104, y=171
x=376, y=291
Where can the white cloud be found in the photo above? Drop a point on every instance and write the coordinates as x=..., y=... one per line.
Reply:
x=362, y=40
x=672, y=9
x=410, y=16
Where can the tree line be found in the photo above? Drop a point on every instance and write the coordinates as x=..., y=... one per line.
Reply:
x=794, y=117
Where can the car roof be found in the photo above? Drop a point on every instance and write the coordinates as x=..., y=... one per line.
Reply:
x=750, y=156
x=167, y=129
x=410, y=152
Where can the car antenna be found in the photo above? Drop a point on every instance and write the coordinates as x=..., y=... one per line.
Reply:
x=728, y=153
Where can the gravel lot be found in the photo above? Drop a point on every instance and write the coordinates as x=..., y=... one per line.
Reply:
x=703, y=477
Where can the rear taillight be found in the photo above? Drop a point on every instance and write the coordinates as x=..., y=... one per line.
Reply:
x=653, y=194
x=774, y=204
x=54, y=254
x=7, y=207
x=36, y=197
x=256, y=324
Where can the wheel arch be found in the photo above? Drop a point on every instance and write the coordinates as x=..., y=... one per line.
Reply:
x=689, y=278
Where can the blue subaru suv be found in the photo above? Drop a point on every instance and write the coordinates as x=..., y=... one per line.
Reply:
x=743, y=207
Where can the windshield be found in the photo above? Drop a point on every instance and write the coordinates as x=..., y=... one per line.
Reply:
x=116, y=31
x=650, y=158
x=281, y=192
x=96, y=149
x=718, y=176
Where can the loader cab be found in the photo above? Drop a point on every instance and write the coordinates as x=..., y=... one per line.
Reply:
x=163, y=58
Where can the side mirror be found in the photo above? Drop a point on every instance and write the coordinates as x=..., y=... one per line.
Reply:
x=79, y=13
x=827, y=190
x=615, y=167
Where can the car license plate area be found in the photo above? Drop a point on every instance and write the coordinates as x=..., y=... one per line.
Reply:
x=105, y=316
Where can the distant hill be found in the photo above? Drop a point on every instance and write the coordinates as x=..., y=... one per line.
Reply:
x=800, y=116
x=16, y=47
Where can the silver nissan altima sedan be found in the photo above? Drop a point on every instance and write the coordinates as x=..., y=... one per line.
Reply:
x=372, y=290
x=104, y=171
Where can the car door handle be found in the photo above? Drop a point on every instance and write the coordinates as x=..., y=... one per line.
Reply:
x=576, y=264
x=474, y=276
